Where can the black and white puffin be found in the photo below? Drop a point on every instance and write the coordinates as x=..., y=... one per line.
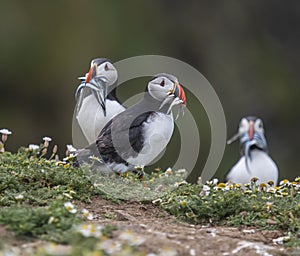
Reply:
x=96, y=98
x=136, y=136
x=254, y=161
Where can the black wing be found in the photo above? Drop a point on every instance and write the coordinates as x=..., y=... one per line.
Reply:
x=122, y=137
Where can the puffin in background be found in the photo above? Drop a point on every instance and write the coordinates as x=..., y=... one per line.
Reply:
x=96, y=101
x=254, y=161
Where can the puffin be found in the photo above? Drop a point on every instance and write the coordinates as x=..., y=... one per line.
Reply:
x=136, y=136
x=255, y=161
x=96, y=99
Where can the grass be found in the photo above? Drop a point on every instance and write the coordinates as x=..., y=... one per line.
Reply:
x=261, y=206
x=36, y=195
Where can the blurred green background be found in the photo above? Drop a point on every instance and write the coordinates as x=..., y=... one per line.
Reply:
x=248, y=50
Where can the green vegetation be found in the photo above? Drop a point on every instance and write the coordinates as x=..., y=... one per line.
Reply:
x=35, y=200
x=262, y=206
x=38, y=199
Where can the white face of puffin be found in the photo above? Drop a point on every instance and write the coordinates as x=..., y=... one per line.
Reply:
x=105, y=69
x=161, y=87
x=251, y=126
x=109, y=71
x=166, y=89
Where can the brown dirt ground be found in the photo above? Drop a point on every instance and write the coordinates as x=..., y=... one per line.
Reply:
x=161, y=230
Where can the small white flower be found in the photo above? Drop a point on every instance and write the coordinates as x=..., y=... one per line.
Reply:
x=205, y=191
x=90, y=230
x=70, y=207
x=131, y=238
x=284, y=182
x=70, y=157
x=271, y=190
x=94, y=158
x=57, y=249
x=87, y=214
x=71, y=148
x=169, y=172
x=19, y=197
x=213, y=182
x=51, y=220
x=47, y=139
x=111, y=247
x=5, y=131
x=33, y=147
x=181, y=171
x=180, y=183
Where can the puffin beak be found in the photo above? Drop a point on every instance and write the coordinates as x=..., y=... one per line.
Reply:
x=251, y=130
x=91, y=74
x=179, y=93
x=98, y=86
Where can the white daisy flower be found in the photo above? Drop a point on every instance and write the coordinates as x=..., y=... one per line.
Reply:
x=131, y=238
x=71, y=148
x=47, y=139
x=111, y=247
x=57, y=249
x=70, y=207
x=19, y=197
x=87, y=214
x=51, y=220
x=205, y=191
x=33, y=147
x=90, y=230
x=5, y=131
x=169, y=172
x=180, y=183
x=70, y=157
x=181, y=172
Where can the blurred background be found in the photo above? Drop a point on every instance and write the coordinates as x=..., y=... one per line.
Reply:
x=248, y=50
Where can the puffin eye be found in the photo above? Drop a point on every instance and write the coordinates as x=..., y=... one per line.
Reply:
x=162, y=83
x=106, y=67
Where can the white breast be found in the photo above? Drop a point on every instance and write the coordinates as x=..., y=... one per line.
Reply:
x=157, y=134
x=91, y=118
x=261, y=166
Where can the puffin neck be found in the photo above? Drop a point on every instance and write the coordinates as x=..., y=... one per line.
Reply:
x=153, y=104
x=113, y=96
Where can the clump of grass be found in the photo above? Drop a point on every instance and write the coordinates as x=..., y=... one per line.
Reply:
x=262, y=206
x=154, y=184
x=50, y=223
x=38, y=181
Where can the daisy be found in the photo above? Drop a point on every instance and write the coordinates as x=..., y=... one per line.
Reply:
x=70, y=207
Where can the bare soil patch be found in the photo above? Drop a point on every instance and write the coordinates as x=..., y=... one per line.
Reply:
x=161, y=230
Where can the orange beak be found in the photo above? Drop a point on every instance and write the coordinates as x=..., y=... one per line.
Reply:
x=91, y=74
x=179, y=92
x=251, y=130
